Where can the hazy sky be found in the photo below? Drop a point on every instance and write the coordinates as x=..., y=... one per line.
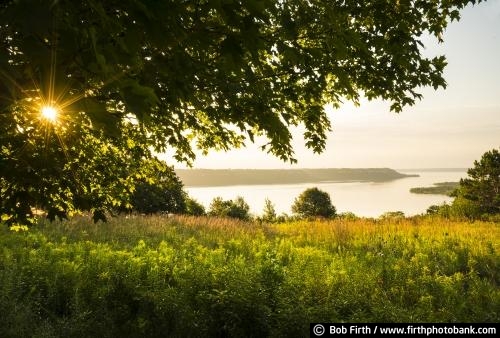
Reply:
x=446, y=129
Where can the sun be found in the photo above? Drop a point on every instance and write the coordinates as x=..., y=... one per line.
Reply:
x=49, y=113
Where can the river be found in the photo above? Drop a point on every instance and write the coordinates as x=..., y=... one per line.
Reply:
x=362, y=198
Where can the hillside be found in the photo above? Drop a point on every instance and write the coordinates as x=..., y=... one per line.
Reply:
x=225, y=177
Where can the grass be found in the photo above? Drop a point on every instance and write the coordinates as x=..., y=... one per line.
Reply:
x=184, y=276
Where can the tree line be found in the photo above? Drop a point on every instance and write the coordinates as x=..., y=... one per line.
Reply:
x=477, y=196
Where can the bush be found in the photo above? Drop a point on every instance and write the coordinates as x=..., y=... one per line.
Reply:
x=229, y=208
x=194, y=208
x=314, y=203
x=348, y=216
x=464, y=208
x=433, y=210
x=393, y=215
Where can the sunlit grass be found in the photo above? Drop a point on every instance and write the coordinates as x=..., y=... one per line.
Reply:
x=148, y=275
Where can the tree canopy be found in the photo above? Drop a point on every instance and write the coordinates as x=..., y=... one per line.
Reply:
x=478, y=195
x=160, y=191
x=207, y=74
x=482, y=186
x=314, y=202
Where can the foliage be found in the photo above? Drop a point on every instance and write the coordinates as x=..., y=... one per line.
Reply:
x=184, y=276
x=161, y=191
x=348, y=216
x=186, y=74
x=194, y=208
x=435, y=209
x=313, y=202
x=229, y=208
x=482, y=186
x=269, y=212
x=63, y=168
x=460, y=209
x=478, y=195
x=199, y=67
x=464, y=208
x=393, y=215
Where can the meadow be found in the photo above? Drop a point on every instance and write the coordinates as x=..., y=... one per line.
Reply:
x=181, y=276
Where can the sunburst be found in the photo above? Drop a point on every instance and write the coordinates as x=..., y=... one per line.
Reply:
x=49, y=113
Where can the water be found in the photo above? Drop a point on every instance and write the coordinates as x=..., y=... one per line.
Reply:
x=361, y=198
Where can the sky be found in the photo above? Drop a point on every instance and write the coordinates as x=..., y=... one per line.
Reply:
x=448, y=128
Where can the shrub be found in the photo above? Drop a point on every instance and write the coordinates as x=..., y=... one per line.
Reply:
x=433, y=209
x=193, y=207
x=229, y=208
x=393, y=215
x=348, y=216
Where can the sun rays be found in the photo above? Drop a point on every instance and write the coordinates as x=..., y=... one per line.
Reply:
x=49, y=113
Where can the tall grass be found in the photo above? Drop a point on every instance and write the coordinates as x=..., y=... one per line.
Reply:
x=187, y=276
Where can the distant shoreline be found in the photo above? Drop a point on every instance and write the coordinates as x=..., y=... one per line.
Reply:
x=441, y=188
x=232, y=177
x=434, y=170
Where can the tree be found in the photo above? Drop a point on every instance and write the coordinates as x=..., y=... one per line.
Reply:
x=269, y=214
x=160, y=191
x=229, y=208
x=313, y=202
x=184, y=74
x=435, y=209
x=64, y=167
x=482, y=186
x=194, y=208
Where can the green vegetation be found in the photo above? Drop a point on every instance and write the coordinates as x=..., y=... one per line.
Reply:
x=197, y=276
x=313, y=202
x=162, y=192
x=269, y=213
x=123, y=80
x=194, y=208
x=478, y=195
x=228, y=208
x=225, y=177
x=482, y=186
x=392, y=215
x=441, y=188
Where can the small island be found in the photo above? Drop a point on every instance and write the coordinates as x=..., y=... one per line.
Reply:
x=228, y=177
x=441, y=188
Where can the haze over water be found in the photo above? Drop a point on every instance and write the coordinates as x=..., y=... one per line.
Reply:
x=362, y=198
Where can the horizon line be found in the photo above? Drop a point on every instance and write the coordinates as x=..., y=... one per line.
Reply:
x=317, y=168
